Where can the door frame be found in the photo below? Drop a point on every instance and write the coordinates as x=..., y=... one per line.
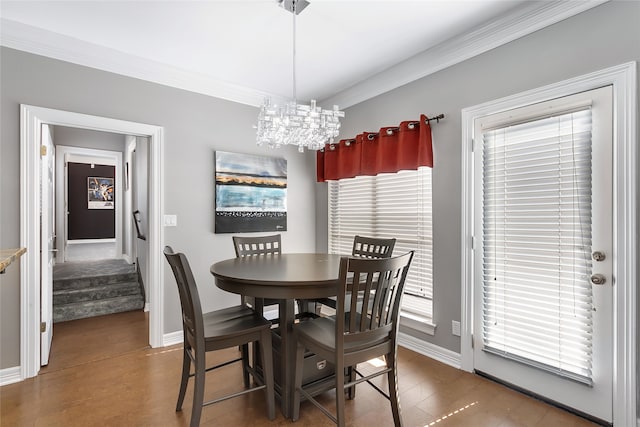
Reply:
x=86, y=155
x=48, y=166
x=31, y=119
x=625, y=271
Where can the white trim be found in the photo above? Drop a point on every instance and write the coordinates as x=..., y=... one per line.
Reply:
x=10, y=376
x=433, y=351
x=417, y=323
x=31, y=118
x=172, y=338
x=66, y=154
x=84, y=241
x=514, y=25
x=623, y=80
x=17, y=35
x=519, y=23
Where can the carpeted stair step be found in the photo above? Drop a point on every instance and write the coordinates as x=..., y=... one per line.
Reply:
x=93, y=293
x=93, y=281
x=84, y=309
x=87, y=289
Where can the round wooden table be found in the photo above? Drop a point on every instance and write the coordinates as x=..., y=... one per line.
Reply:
x=285, y=277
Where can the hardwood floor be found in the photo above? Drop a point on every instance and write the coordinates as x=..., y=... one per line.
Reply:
x=103, y=373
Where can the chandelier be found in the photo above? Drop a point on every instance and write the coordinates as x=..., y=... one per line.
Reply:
x=307, y=126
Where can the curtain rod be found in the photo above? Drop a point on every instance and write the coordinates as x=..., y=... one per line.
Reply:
x=390, y=130
x=436, y=118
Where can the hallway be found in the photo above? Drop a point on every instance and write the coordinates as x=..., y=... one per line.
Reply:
x=78, y=342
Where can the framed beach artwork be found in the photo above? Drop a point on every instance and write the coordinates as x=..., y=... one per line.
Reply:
x=251, y=193
x=100, y=193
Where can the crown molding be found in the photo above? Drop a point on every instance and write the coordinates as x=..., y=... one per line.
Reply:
x=34, y=40
x=512, y=26
x=519, y=23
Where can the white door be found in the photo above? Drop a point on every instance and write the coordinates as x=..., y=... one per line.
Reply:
x=543, y=231
x=47, y=241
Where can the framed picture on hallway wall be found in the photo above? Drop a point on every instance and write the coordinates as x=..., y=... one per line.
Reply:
x=251, y=193
x=101, y=193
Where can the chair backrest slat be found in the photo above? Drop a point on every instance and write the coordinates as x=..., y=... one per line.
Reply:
x=371, y=247
x=254, y=246
x=374, y=288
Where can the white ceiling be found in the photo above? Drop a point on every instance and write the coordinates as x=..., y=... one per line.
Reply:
x=242, y=49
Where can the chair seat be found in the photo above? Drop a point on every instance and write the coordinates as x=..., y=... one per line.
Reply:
x=232, y=321
x=321, y=333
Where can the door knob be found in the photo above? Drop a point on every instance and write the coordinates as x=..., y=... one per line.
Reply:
x=598, y=279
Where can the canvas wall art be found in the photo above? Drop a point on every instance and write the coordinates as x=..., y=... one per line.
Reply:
x=100, y=193
x=251, y=193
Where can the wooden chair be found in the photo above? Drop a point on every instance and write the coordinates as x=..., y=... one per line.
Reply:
x=365, y=328
x=216, y=330
x=257, y=246
x=364, y=247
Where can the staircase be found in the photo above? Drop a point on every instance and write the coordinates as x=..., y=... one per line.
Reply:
x=94, y=288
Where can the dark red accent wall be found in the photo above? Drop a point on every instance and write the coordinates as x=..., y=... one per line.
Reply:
x=85, y=223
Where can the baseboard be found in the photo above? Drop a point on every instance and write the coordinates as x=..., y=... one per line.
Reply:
x=172, y=338
x=10, y=375
x=433, y=351
x=82, y=241
x=146, y=307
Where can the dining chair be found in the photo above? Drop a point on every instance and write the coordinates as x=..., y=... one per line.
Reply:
x=364, y=247
x=217, y=330
x=363, y=329
x=257, y=246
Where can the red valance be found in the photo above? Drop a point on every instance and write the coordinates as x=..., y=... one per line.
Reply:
x=404, y=147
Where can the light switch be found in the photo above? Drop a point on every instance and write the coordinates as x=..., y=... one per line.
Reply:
x=170, y=220
x=455, y=328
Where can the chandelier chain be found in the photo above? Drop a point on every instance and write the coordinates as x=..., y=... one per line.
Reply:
x=306, y=126
x=293, y=62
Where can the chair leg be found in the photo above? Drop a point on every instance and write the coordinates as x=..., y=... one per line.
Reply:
x=393, y=389
x=266, y=353
x=351, y=391
x=244, y=351
x=186, y=367
x=198, y=389
x=297, y=381
x=340, y=391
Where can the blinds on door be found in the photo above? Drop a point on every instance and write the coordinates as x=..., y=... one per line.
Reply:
x=537, y=243
x=386, y=206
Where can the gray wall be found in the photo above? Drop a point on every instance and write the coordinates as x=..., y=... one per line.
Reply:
x=85, y=138
x=599, y=38
x=195, y=126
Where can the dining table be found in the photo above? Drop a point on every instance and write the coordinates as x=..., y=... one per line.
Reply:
x=287, y=278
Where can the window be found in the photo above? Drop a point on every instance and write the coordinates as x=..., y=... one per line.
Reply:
x=386, y=206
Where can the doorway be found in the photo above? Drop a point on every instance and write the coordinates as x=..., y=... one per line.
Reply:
x=624, y=271
x=543, y=205
x=32, y=119
x=77, y=218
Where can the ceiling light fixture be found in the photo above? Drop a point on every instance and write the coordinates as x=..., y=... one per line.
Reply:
x=307, y=126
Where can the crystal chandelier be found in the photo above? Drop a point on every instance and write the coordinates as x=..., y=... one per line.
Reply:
x=303, y=125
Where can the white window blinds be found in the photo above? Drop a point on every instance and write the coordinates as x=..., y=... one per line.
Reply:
x=386, y=206
x=537, y=300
